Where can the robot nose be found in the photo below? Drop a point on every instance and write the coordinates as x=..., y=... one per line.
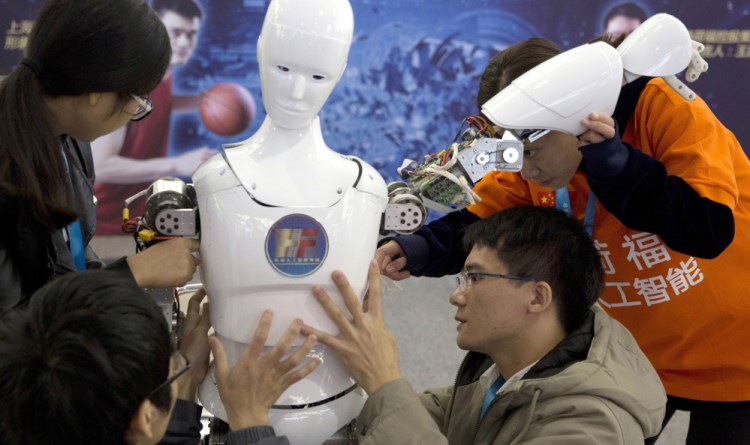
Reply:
x=298, y=87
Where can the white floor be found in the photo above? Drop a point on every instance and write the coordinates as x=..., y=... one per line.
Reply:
x=418, y=312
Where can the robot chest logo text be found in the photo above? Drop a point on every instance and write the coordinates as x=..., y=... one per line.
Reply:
x=296, y=245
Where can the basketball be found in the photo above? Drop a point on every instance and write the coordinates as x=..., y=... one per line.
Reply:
x=226, y=108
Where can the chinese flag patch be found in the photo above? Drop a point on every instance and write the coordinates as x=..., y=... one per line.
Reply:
x=547, y=199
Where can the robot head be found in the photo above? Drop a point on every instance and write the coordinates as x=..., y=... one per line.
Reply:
x=560, y=92
x=302, y=52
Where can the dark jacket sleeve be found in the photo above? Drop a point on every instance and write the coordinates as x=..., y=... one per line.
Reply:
x=185, y=424
x=436, y=249
x=257, y=435
x=121, y=267
x=28, y=252
x=636, y=189
x=10, y=281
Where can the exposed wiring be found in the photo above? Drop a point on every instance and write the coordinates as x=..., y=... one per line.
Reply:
x=461, y=182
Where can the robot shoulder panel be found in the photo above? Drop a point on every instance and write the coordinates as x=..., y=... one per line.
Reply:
x=214, y=175
x=369, y=180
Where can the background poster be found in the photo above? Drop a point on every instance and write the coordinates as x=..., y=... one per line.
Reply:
x=414, y=64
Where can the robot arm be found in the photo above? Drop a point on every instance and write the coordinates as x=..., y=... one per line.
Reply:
x=171, y=210
x=444, y=181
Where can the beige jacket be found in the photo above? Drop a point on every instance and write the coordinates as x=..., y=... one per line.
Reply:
x=595, y=387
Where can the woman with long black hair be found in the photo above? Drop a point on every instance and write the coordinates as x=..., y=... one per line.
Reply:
x=89, y=66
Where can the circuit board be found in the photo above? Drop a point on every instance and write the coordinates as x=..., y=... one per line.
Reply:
x=439, y=188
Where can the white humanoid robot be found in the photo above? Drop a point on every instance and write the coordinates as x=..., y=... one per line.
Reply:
x=281, y=211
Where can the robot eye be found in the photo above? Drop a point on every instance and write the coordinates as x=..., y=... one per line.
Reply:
x=282, y=68
x=318, y=77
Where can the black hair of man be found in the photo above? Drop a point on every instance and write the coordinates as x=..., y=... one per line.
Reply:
x=77, y=363
x=547, y=244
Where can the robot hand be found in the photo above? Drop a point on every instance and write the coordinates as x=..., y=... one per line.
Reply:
x=698, y=64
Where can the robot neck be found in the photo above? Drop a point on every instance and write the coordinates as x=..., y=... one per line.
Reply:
x=284, y=140
x=291, y=168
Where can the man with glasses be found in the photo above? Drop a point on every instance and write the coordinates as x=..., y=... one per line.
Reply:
x=544, y=365
x=131, y=158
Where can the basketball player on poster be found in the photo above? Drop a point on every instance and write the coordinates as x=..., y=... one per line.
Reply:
x=130, y=159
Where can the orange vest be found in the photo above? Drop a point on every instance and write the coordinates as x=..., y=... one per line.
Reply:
x=690, y=316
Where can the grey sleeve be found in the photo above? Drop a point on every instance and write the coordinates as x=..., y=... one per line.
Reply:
x=257, y=435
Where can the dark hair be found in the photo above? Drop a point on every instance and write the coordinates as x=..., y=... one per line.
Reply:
x=76, y=364
x=510, y=63
x=628, y=10
x=185, y=8
x=610, y=39
x=547, y=244
x=75, y=47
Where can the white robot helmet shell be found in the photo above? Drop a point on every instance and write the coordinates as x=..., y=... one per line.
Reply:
x=560, y=92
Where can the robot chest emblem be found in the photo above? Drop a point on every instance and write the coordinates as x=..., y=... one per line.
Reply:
x=296, y=245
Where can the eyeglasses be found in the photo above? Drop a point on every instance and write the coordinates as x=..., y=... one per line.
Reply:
x=182, y=365
x=144, y=107
x=466, y=279
x=529, y=135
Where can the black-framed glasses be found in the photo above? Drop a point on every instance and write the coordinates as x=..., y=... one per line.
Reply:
x=145, y=106
x=466, y=279
x=182, y=365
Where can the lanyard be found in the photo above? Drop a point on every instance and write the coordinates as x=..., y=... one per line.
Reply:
x=490, y=395
x=75, y=235
x=562, y=201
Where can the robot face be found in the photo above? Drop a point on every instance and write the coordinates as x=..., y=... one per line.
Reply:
x=302, y=52
x=298, y=72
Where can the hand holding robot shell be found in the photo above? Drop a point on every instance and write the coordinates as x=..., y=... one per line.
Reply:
x=559, y=93
x=556, y=95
